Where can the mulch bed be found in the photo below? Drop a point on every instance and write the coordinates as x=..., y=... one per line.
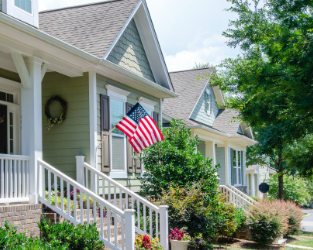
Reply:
x=238, y=243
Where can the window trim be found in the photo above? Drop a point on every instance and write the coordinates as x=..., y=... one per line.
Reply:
x=118, y=95
x=208, y=101
x=236, y=168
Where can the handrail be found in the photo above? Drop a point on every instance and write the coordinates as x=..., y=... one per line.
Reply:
x=236, y=190
x=82, y=188
x=236, y=197
x=14, y=157
x=80, y=203
x=126, y=190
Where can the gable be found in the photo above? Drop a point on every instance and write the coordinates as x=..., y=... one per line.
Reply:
x=199, y=113
x=239, y=131
x=129, y=53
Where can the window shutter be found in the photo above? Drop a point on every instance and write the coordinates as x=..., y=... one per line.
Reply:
x=105, y=127
x=156, y=118
x=243, y=167
x=232, y=167
x=138, y=164
x=130, y=150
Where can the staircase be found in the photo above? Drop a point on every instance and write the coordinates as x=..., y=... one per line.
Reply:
x=236, y=197
x=95, y=197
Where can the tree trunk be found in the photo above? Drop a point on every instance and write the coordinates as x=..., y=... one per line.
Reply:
x=280, y=178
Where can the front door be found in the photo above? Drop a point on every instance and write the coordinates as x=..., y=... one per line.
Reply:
x=3, y=129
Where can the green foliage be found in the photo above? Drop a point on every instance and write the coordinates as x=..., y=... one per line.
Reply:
x=202, y=65
x=267, y=221
x=76, y=237
x=295, y=189
x=294, y=216
x=175, y=161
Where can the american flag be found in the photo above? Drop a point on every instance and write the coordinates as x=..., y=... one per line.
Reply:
x=140, y=128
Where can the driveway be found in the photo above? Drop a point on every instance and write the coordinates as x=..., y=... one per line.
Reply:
x=307, y=222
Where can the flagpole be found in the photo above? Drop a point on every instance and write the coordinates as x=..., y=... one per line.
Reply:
x=96, y=158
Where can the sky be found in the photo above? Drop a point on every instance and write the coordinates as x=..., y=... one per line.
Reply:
x=189, y=31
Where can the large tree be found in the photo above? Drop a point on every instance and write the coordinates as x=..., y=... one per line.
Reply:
x=271, y=82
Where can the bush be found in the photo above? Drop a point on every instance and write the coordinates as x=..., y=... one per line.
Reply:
x=144, y=242
x=267, y=221
x=295, y=189
x=76, y=237
x=294, y=216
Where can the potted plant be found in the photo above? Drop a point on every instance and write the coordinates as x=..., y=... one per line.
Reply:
x=144, y=242
x=179, y=239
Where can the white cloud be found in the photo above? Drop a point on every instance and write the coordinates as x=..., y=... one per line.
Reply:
x=213, y=51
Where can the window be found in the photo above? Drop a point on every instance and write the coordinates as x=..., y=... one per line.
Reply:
x=207, y=101
x=237, y=167
x=24, y=5
x=118, y=137
x=6, y=97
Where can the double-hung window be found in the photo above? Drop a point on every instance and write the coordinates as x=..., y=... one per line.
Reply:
x=207, y=101
x=236, y=164
x=25, y=5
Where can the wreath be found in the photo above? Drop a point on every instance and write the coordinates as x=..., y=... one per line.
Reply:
x=53, y=121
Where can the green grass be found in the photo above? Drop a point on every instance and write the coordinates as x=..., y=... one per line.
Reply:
x=305, y=242
x=310, y=234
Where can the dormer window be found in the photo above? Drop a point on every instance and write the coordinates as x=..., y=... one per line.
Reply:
x=208, y=101
x=25, y=5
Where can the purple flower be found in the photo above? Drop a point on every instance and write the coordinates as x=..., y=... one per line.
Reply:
x=198, y=240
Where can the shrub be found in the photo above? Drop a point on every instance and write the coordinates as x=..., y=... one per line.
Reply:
x=295, y=189
x=294, y=216
x=267, y=221
x=144, y=242
x=76, y=237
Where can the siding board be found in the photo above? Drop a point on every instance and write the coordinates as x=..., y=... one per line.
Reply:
x=220, y=159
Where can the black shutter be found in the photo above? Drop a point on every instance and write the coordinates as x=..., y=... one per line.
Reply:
x=156, y=118
x=129, y=148
x=105, y=128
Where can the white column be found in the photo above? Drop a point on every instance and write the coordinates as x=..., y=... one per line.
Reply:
x=31, y=110
x=93, y=125
x=227, y=168
x=80, y=160
x=248, y=186
x=210, y=151
x=164, y=226
x=130, y=229
x=252, y=185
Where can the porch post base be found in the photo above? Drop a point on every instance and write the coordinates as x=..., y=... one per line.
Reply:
x=33, y=199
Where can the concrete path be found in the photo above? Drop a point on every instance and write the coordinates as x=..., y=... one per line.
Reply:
x=307, y=222
x=300, y=247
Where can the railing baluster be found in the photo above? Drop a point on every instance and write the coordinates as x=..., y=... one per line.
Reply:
x=94, y=212
x=49, y=184
x=150, y=218
x=144, y=218
x=87, y=178
x=88, y=210
x=6, y=179
x=23, y=179
x=138, y=214
x=114, y=195
x=126, y=201
x=109, y=191
x=109, y=224
x=123, y=236
x=121, y=202
x=55, y=184
x=62, y=194
x=103, y=189
x=15, y=179
x=2, y=177
x=43, y=181
x=132, y=202
x=68, y=199
x=19, y=194
x=27, y=178
x=81, y=208
x=157, y=224
x=75, y=203
x=101, y=221
x=11, y=178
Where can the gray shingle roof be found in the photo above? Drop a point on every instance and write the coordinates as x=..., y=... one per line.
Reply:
x=189, y=90
x=92, y=27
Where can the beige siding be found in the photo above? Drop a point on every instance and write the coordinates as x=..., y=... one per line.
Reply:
x=131, y=182
x=9, y=75
x=71, y=138
x=264, y=173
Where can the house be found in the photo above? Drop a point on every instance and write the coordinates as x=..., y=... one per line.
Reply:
x=222, y=138
x=95, y=61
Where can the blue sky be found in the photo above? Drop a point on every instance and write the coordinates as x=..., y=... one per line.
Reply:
x=189, y=31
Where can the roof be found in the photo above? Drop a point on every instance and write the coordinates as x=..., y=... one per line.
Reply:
x=189, y=90
x=91, y=27
x=252, y=168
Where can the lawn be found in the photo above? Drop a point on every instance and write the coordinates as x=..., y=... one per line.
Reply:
x=301, y=241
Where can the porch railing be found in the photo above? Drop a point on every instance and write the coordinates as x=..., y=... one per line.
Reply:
x=150, y=219
x=236, y=197
x=79, y=205
x=14, y=178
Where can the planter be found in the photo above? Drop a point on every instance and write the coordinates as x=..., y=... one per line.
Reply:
x=278, y=239
x=179, y=245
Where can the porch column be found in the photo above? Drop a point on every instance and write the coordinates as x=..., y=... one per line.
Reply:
x=227, y=166
x=210, y=151
x=31, y=113
x=253, y=185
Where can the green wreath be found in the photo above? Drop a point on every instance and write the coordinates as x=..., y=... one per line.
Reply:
x=55, y=121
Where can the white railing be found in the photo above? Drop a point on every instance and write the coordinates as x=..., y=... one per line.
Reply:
x=236, y=197
x=79, y=205
x=14, y=178
x=150, y=219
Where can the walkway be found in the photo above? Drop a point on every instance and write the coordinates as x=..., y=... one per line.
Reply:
x=307, y=222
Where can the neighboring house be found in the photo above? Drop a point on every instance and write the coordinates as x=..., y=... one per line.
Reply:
x=101, y=58
x=222, y=138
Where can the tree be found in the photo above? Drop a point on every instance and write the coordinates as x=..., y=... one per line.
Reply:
x=270, y=83
x=175, y=161
x=295, y=189
x=202, y=65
